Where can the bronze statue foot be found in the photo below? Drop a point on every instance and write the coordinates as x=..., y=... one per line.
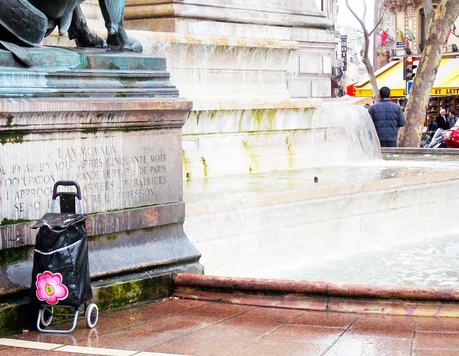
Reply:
x=80, y=32
x=121, y=41
x=88, y=40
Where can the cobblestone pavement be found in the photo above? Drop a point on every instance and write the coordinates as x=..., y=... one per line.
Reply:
x=188, y=327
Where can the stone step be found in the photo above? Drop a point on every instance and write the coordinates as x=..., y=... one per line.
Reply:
x=16, y=92
x=55, y=57
x=57, y=72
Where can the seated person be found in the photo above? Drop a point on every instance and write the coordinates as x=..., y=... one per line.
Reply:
x=442, y=120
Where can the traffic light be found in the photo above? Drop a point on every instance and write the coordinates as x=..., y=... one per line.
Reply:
x=409, y=67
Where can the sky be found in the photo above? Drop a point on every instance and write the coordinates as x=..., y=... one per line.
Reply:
x=345, y=18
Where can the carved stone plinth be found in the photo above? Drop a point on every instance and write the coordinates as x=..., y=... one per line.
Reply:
x=111, y=122
x=309, y=23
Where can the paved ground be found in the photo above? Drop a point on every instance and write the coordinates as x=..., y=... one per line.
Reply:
x=205, y=328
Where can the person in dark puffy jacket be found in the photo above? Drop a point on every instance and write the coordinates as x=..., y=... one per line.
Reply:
x=388, y=118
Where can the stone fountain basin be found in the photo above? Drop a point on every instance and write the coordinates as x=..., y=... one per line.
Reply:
x=263, y=224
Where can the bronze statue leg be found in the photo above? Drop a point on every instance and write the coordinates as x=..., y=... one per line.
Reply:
x=80, y=32
x=117, y=39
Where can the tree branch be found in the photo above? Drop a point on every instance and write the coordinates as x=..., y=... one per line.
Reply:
x=365, y=50
x=377, y=24
x=380, y=18
x=428, y=12
x=364, y=10
x=356, y=16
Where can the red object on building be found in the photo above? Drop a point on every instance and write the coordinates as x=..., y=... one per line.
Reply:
x=350, y=90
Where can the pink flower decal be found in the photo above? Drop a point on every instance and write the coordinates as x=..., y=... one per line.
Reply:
x=50, y=287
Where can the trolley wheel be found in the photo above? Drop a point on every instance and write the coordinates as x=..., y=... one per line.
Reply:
x=91, y=315
x=46, y=316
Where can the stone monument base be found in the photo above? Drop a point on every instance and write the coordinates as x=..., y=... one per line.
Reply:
x=124, y=150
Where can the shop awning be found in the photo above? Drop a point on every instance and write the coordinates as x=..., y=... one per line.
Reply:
x=391, y=75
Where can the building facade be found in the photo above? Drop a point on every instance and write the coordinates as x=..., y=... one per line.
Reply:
x=404, y=29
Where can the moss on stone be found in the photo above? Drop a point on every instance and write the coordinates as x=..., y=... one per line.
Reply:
x=14, y=317
x=130, y=82
x=186, y=165
x=12, y=136
x=257, y=115
x=213, y=114
x=89, y=130
x=128, y=292
x=264, y=118
x=9, y=119
x=272, y=115
x=112, y=236
x=12, y=255
x=204, y=166
x=251, y=155
x=290, y=152
x=6, y=221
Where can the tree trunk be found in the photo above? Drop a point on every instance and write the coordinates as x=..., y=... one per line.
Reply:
x=371, y=73
x=415, y=112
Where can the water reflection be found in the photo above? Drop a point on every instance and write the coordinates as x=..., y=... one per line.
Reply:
x=431, y=263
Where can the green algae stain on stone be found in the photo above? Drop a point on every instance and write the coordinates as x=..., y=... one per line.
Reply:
x=212, y=114
x=186, y=166
x=9, y=119
x=253, y=166
x=240, y=120
x=128, y=292
x=257, y=116
x=12, y=136
x=290, y=152
x=272, y=116
x=14, y=317
x=6, y=221
x=264, y=119
x=13, y=255
x=89, y=130
x=204, y=166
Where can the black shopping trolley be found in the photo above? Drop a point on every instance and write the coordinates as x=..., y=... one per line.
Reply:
x=60, y=276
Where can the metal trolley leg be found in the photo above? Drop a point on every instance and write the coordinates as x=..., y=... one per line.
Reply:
x=56, y=331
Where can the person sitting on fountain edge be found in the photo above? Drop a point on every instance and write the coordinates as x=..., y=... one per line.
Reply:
x=388, y=118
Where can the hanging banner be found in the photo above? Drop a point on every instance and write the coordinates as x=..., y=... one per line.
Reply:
x=344, y=52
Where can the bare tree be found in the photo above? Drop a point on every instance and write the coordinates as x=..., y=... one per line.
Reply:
x=443, y=17
x=428, y=12
x=366, y=44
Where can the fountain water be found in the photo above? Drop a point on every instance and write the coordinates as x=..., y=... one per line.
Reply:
x=358, y=139
x=285, y=223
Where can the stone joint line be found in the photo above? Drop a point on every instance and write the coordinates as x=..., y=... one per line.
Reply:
x=76, y=349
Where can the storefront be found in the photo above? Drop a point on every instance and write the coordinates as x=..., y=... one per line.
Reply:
x=445, y=92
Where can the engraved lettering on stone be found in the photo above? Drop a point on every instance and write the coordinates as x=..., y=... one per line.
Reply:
x=110, y=178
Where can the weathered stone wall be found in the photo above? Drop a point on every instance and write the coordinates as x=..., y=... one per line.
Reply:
x=126, y=156
x=309, y=23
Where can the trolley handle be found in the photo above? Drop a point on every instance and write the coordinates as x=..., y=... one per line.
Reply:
x=66, y=183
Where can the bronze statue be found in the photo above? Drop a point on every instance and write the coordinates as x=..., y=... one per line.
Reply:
x=27, y=22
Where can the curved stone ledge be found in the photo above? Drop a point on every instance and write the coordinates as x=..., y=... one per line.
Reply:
x=316, y=287
x=412, y=151
x=322, y=296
